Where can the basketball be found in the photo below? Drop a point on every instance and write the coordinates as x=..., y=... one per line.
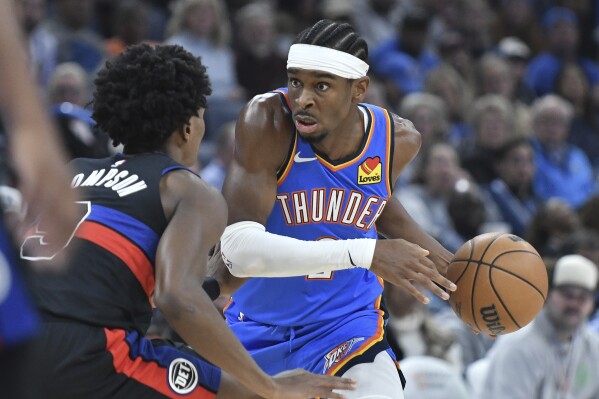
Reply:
x=501, y=283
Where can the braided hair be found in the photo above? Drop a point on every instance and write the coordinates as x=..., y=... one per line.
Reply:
x=147, y=92
x=334, y=35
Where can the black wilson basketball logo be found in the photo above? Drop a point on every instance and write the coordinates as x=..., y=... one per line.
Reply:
x=492, y=319
x=182, y=376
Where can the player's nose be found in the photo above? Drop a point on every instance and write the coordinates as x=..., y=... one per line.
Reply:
x=305, y=99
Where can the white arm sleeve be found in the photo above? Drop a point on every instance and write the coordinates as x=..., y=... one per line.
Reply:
x=249, y=250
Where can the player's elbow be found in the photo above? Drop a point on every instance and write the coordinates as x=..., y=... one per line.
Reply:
x=239, y=251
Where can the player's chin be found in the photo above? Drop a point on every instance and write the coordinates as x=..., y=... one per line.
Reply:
x=314, y=137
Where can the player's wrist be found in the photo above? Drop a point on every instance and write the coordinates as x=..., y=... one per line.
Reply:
x=360, y=252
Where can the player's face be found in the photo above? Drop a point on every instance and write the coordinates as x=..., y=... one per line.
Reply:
x=321, y=102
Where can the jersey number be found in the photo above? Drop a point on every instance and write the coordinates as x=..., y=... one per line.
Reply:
x=35, y=246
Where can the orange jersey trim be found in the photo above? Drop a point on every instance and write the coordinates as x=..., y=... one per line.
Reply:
x=148, y=373
x=377, y=337
x=135, y=259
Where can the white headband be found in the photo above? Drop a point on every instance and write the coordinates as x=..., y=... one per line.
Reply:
x=307, y=56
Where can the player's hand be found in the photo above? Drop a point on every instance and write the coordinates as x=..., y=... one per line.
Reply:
x=300, y=384
x=399, y=262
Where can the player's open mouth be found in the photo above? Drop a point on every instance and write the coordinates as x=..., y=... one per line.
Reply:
x=305, y=126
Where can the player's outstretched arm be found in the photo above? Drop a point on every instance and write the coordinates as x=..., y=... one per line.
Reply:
x=197, y=216
x=34, y=147
x=416, y=256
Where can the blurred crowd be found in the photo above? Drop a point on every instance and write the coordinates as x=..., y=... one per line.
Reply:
x=504, y=92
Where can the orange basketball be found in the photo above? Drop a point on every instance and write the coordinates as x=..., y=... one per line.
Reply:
x=502, y=283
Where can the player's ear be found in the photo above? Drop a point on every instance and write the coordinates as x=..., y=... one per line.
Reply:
x=359, y=88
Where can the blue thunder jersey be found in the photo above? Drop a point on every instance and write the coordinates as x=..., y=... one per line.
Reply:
x=320, y=199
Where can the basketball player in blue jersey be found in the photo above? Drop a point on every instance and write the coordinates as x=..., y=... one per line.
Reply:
x=38, y=162
x=146, y=226
x=308, y=191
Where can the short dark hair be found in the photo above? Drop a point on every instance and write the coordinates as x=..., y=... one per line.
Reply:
x=334, y=35
x=147, y=92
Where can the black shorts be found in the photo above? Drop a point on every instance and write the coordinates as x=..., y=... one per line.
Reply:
x=80, y=361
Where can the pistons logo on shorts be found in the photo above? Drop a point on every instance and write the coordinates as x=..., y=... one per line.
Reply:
x=182, y=376
x=338, y=353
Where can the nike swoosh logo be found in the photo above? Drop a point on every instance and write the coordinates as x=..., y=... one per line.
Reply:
x=351, y=260
x=298, y=159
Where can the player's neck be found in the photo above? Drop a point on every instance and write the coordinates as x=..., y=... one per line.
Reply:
x=346, y=139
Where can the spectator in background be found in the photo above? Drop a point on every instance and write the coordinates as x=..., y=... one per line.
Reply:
x=517, y=54
x=557, y=356
x=129, y=26
x=412, y=329
x=258, y=64
x=215, y=171
x=562, y=32
x=445, y=82
x=563, y=170
x=475, y=17
x=68, y=93
x=403, y=61
x=69, y=83
x=432, y=378
x=573, y=86
x=77, y=42
x=589, y=213
x=429, y=115
x=453, y=51
x=426, y=199
x=203, y=28
x=469, y=213
x=512, y=190
x=42, y=44
x=377, y=20
x=518, y=19
x=492, y=124
x=550, y=227
x=496, y=77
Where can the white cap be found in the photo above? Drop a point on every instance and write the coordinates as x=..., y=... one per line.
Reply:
x=513, y=47
x=575, y=270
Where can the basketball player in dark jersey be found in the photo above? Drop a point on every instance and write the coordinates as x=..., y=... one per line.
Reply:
x=146, y=226
x=38, y=163
x=309, y=192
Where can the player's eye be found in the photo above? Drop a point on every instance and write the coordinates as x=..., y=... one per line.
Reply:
x=322, y=86
x=294, y=83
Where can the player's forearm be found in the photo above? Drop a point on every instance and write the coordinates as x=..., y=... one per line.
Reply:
x=196, y=320
x=250, y=251
x=395, y=222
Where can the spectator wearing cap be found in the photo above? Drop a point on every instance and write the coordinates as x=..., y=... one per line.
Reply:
x=562, y=32
x=558, y=355
x=404, y=60
x=517, y=55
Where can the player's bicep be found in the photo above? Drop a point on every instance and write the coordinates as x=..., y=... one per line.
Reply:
x=250, y=195
x=260, y=149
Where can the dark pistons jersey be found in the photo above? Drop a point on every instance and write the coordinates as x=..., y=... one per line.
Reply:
x=320, y=199
x=109, y=279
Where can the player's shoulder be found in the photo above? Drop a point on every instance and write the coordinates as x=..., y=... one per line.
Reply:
x=405, y=132
x=264, y=124
x=184, y=185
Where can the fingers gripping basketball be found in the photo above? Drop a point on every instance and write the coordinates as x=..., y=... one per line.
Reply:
x=502, y=283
